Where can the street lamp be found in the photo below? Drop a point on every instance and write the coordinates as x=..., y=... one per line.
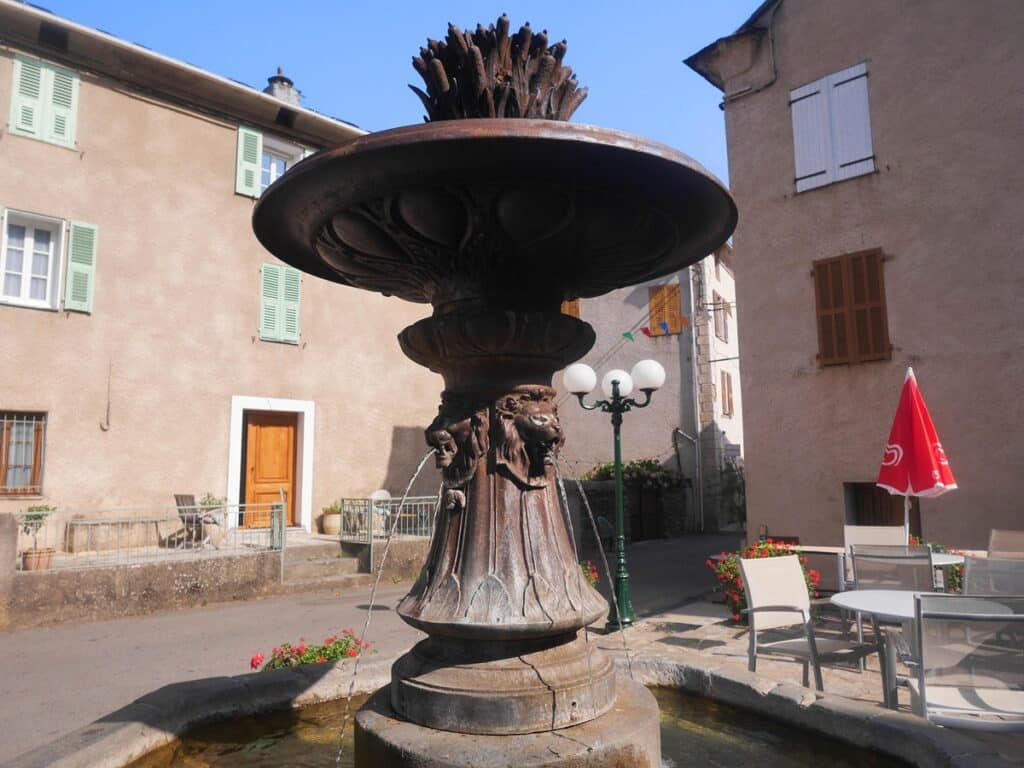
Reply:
x=617, y=386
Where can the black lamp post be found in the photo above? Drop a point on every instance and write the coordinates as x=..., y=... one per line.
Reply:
x=617, y=385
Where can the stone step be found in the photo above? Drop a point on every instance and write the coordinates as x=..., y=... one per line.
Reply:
x=331, y=584
x=311, y=551
x=323, y=568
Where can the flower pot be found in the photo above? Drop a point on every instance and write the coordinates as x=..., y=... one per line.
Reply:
x=37, y=559
x=330, y=523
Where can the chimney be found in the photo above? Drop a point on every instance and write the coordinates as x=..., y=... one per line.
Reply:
x=280, y=87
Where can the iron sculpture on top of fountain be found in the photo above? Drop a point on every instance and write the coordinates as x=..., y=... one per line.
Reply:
x=494, y=212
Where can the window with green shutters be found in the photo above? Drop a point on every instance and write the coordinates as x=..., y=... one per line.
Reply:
x=261, y=159
x=280, y=296
x=44, y=102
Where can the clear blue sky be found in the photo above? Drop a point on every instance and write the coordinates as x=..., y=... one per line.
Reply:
x=352, y=59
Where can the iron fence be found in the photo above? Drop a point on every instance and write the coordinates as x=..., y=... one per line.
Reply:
x=363, y=520
x=78, y=539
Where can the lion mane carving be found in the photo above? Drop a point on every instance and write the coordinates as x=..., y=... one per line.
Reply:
x=527, y=435
x=459, y=438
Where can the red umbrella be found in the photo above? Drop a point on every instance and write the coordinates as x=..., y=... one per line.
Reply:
x=914, y=463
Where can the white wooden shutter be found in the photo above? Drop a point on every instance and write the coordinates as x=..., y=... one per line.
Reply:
x=812, y=140
x=61, y=106
x=851, y=122
x=81, y=273
x=27, y=98
x=247, y=162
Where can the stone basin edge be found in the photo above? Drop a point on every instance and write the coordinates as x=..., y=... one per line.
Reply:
x=160, y=717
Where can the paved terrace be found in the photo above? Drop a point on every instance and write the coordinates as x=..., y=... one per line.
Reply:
x=59, y=679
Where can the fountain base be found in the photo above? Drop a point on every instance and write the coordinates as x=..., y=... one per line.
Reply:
x=628, y=734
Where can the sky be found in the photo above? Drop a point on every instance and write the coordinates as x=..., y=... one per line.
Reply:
x=352, y=59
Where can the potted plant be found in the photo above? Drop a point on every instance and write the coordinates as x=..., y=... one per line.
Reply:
x=32, y=520
x=330, y=522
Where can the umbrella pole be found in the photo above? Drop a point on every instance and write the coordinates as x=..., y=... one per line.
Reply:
x=906, y=517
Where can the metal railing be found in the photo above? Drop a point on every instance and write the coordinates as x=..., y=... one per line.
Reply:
x=78, y=539
x=363, y=520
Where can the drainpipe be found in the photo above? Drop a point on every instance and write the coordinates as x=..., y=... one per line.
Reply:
x=699, y=493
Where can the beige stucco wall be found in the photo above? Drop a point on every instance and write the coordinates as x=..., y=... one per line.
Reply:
x=175, y=319
x=946, y=109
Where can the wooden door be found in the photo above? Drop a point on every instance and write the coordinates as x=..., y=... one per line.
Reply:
x=269, y=465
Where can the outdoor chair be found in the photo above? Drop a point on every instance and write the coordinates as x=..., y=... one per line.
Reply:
x=856, y=535
x=1006, y=544
x=970, y=673
x=194, y=521
x=993, y=576
x=777, y=599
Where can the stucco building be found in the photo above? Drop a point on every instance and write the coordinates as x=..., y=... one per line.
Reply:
x=149, y=344
x=874, y=153
x=694, y=424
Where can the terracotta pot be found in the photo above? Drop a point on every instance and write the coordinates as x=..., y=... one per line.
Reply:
x=37, y=559
x=330, y=523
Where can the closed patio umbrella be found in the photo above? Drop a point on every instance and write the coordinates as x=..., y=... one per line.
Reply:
x=914, y=463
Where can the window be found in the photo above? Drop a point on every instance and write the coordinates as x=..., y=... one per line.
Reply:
x=44, y=102
x=726, y=393
x=280, y=293
x=30, y=260
x=22, y=440
x=832, y=129
x=867, y=504
x=850, y=296
x=261, y=160
x=571, y=307
x=720, y=308
x=665, y=311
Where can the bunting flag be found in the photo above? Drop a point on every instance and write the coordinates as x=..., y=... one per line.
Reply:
x=629, y=335
x=664, y=327
x=646, y=331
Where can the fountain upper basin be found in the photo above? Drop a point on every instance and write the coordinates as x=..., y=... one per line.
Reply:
x=509, y=213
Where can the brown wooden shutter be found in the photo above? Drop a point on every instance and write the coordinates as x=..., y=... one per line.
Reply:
x=832, y=314
x=664, y=306
x=571, y=307
x=867, y=306
x=726, y=393
x=37, y=459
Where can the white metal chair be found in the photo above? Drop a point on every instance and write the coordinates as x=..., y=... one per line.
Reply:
x=777, y=598
x=971, y=661
x=1006, y=544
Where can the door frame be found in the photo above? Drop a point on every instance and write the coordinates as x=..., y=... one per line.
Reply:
x=305, y=429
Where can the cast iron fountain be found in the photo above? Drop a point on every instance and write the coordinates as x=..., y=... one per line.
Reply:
x=495, y=211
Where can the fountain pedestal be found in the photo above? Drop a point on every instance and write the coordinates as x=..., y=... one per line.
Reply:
x=627, y=735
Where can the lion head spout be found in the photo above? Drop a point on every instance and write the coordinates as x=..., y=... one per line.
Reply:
x=526, y=434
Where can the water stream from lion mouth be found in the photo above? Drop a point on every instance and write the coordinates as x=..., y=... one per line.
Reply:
x=694, y=731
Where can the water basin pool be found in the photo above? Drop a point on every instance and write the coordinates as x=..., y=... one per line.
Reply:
x=694, y=732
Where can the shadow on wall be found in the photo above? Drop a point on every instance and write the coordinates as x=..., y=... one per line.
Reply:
x=407, y=449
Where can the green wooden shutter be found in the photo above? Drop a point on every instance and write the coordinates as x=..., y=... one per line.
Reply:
x=61, y=106
x=291, y=293
x=270, y=302
x=27, y=98
x=81, y=273
x=247, y=163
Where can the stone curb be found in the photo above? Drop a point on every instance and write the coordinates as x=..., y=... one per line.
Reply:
x=163, y=715
x=898, y=734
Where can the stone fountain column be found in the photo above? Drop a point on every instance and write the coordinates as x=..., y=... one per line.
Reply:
x=494, y=212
